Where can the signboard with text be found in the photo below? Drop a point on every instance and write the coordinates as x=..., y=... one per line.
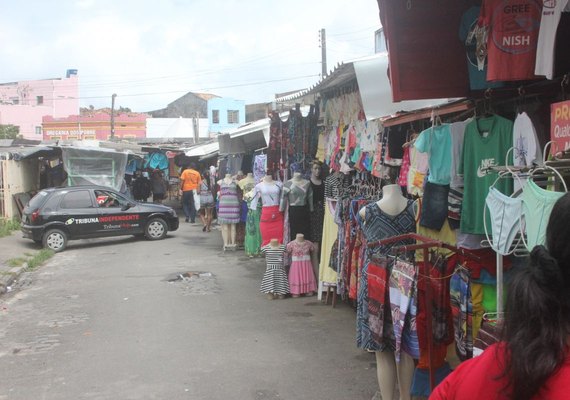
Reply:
x=560, y=126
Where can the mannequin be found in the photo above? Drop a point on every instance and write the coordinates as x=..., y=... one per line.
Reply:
x=274, y=283
x=297, y=195
x=247, y=184
x=301, y=273
x=392, y=202
x=318, y=214
x=229, y=212
x=271, y=220
x=389, y=372
x=252, y=240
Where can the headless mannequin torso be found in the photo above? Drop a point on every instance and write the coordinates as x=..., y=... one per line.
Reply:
x=389, y=372
x=228, y=230
x=391, y=203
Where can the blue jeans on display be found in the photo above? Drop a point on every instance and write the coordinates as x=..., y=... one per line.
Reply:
x=188, y=205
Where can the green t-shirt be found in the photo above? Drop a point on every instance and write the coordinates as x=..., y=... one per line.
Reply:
x=436, y=141
x=486, y=143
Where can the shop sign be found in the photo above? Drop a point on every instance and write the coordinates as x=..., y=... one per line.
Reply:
x=560, y=126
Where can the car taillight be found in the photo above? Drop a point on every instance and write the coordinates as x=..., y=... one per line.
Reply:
x=35, y=217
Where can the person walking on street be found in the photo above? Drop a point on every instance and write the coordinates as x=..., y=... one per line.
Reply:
x=159, y=186
x=206, y=202
x=190, y=181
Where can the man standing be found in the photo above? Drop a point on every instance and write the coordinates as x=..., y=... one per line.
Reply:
x=190, y=181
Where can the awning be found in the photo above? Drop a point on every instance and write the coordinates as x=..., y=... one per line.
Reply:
x=202, y=150
x=416, y=115
x=376, y=92
x=22, y=153
x=371, y=75
x=249, y=137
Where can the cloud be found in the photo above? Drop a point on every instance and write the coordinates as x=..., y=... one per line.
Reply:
x=150, y=53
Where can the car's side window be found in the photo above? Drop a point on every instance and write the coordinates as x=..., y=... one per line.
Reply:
x=108, y=199
x=76, y=199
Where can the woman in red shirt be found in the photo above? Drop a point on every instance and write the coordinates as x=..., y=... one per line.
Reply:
x=533, y=361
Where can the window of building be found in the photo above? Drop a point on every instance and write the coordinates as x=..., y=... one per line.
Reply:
x=77, y=199
x=215, y=116
x=40, y=100
x=38, y=130
x=233, y=116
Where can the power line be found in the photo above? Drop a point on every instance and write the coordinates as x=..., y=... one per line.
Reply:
x=352, y=32
x=255, y=83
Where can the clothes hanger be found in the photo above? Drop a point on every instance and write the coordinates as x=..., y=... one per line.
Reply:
x=545, y=168
x=514, y=246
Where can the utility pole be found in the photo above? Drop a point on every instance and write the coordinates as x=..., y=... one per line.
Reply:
x=323, y=38
x=113, y=116
x=197, y=127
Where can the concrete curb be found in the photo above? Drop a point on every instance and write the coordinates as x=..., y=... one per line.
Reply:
x=10, y=276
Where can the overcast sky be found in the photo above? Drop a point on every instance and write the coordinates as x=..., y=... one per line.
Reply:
x=151, y=52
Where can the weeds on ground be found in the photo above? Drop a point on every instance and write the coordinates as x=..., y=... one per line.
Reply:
x=42, y=256
x=8, y=225
x=16, y=262
x=33, y=260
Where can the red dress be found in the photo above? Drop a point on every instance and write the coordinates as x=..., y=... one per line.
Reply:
x=478, y=378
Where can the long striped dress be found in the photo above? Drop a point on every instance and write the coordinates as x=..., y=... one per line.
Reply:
x=275, y=279
x=229, y=203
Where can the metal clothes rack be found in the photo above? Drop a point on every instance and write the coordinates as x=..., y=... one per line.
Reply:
x=425, y=244
x=562, y=167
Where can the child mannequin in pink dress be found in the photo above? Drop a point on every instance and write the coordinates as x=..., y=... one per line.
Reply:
x=301, y=275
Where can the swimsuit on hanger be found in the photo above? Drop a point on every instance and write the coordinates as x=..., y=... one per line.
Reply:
x=505, y=215
x=537, y=206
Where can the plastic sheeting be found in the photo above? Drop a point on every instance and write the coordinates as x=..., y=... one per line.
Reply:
x=94, y=167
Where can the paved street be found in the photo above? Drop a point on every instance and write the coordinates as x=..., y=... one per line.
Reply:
x=107, y=319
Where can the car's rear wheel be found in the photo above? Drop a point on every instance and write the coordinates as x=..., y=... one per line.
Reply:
x=156, y=229
x=55, y=239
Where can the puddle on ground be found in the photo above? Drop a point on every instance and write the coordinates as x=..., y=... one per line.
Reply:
x=189, y=276
x=194, y=283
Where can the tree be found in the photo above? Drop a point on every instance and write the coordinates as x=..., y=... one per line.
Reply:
x=9, y=131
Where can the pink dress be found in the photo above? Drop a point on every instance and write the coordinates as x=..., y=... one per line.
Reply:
x=301, y=275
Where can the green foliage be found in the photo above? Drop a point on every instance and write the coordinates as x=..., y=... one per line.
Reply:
x=16, y=262
x=33, y=260
x=42, y=256
x=9, y=131
x=7, y=226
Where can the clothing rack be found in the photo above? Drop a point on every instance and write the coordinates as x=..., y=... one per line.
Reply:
x=425, y=245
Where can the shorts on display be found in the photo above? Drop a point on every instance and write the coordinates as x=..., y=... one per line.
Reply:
x=434, y=206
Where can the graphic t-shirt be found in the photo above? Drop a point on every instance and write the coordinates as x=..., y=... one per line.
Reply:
x=486, y=143
x=525, y=141
x=436, y=141
x=467, y=34
x=513, y=27
x=551, y=11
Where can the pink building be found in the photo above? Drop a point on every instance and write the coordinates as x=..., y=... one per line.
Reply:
x=94, y=126
x=24, y=103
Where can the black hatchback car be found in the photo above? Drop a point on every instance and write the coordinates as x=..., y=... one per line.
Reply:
x=56, y=215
